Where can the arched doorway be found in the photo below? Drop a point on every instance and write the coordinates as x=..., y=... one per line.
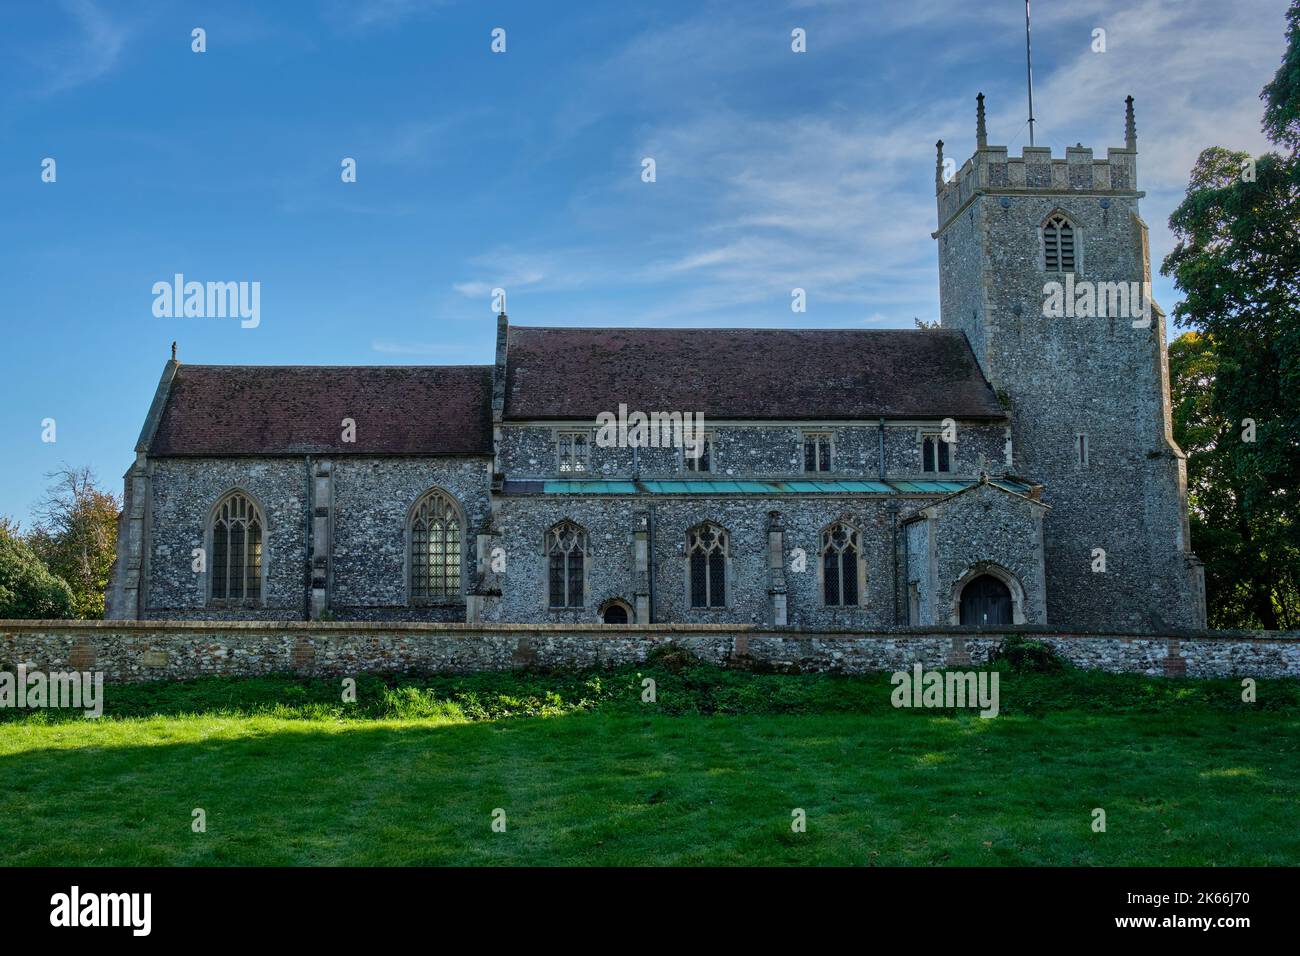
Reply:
x=616, y=612
x=985, y=602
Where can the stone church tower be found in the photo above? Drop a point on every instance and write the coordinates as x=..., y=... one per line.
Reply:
x=1088, y=390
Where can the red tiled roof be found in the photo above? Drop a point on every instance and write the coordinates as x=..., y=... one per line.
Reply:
x=746, y=373
x=272, y=410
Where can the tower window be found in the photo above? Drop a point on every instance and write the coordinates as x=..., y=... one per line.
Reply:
x=1058, y=244
x=936, y=454
x=817, y=451
x=1081, y=449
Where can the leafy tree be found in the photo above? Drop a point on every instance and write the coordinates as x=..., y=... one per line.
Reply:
x=27, y=588
x=1282, y=96
x=1252, y=569
x=1237, y=382
x=76, y=536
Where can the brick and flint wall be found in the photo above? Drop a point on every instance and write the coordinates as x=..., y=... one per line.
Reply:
x=143, y=651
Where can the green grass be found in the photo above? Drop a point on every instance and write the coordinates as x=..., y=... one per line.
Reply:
x=588, y=774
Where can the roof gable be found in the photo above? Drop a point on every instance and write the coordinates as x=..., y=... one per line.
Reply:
x=1001, y=485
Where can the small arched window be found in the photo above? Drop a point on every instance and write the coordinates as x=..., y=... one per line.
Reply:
x=566, y=554
x=706, y=550
x=435, y=535
x=840, y=566
x=1058, y=244
x=236, y=566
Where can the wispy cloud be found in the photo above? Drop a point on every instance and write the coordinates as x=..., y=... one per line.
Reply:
x=756, y=198
x=377, y=14
x=91, y=52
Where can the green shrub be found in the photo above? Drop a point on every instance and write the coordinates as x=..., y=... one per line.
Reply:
x=1028, y=656
x=27, y=588
x=671, y=658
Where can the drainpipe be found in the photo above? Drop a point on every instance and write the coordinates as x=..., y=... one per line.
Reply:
x=893, y=517
x=650, y=557
x=907, y=563
x=306, y=543
x=882, y=449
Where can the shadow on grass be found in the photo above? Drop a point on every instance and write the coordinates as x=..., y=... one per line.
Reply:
x=895, y=787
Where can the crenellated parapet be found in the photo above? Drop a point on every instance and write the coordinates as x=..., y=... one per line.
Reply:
x=992, y=170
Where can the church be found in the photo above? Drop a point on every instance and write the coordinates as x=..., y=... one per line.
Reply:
x=1007, y=467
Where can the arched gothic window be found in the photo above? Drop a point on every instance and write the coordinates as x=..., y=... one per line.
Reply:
x=435, y=535
x=706, y=549
x=1058, y=244
x=566, y=553
x=840, y=566
x=235, y=569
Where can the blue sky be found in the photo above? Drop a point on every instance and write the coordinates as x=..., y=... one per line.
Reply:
x=775, y=170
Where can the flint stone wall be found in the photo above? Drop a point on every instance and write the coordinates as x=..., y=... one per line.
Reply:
x=763, y=451
x=176, y=650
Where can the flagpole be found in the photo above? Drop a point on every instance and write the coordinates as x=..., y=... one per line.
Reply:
x=1029, y=72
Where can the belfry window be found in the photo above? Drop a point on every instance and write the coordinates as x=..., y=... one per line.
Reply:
x=1058, y=244
x=840, y=566
x=706, y=549
x=435, y=535
x=236, y=567
x=566, y=552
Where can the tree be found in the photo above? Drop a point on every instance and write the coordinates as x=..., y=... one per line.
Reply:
x=27, y=588
x=1282, y=96
x=76, y=536
x=1237, y=263
x=1252, y=571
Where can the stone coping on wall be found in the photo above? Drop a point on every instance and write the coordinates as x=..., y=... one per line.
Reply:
x=621, y=630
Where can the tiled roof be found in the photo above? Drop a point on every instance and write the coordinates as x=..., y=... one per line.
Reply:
x=771, y=374
x=275, y=410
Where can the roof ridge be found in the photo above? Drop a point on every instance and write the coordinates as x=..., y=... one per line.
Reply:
x=711, y=328
x=483, y=367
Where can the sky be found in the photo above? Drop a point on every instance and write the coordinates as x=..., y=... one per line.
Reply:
x=523, y=170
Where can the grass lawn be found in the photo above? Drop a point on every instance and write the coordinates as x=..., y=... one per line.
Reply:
x=709, y=774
